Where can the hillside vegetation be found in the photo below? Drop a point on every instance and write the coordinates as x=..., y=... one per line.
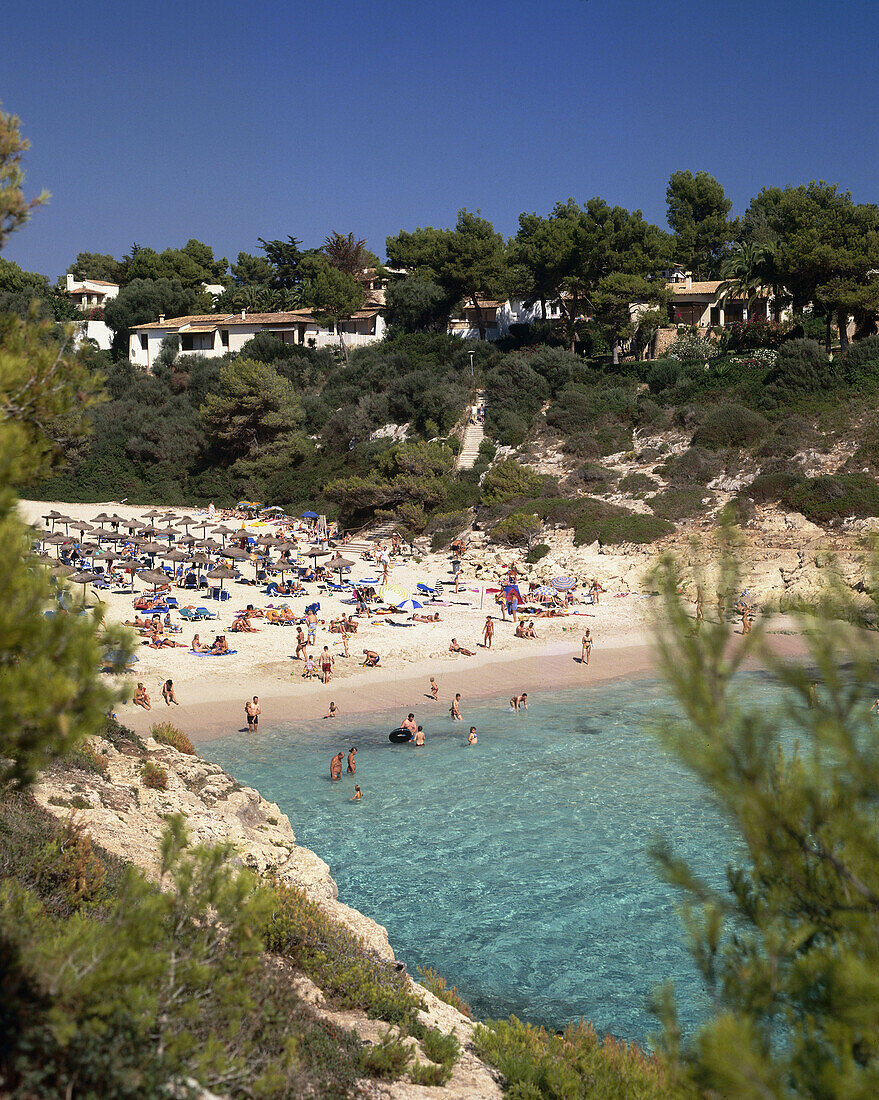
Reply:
x=641, y=445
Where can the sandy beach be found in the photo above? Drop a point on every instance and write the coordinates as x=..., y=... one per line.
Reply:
x=212, y=690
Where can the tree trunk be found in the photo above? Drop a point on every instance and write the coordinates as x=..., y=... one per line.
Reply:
x=828, y=339
x=542, y=308
x=842, y=325
x=480, y=324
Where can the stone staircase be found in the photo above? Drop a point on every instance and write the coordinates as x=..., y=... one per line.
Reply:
x=473, y=436
x=361, y=545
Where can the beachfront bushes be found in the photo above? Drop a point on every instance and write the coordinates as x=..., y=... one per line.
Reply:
x=539, y=1065
x=833, y=497
x=436, y=983
x=536, y=553
x=153, y=776
x=696, y=465
x=730, y=425
x=683, y=503
x=349, y=975
x=637, y=484
x=506, y=479
x=518, y=529
x=166, y=733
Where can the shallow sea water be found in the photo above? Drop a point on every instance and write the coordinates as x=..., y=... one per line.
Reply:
x=518, y=868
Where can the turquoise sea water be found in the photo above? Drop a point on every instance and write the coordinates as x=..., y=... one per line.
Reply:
x=518, y=868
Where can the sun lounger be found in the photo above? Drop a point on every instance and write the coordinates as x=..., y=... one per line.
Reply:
x=203, y=613
x=189, y=615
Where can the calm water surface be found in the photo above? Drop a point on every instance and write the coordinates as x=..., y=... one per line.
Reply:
x=518, y=868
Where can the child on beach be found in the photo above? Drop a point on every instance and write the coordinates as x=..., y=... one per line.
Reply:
x=434, y=690
x=471, y=737
x=358, y=794
x=309, y=667
x=332, y=710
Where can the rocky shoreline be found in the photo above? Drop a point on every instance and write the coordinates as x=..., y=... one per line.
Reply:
x=127, y=819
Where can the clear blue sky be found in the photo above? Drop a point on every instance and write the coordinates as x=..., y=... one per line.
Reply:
x=156, y=122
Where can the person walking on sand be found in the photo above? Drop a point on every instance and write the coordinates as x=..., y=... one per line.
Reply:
x=309, y=667
x=300, y=644
x=336, y=766
x=471, y=736
x=434, y=690
x=358, y=794
x=252, y=711
x=455, y=708
x=352, y=764
x=747, y=619
x=487, y=632
x=586, y=648
x=168, y=693
x=419, y=737
x=326, y=665
x=520, y=701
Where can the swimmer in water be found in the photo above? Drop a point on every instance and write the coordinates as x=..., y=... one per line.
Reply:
x=336, y=766
x=409, y=724
x=455, y=708
x=471, y=737
x=419, y=737
x=520, y=702
x=358, y=794
x=352, y=763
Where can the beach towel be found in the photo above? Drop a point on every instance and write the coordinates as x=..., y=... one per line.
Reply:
x=207, y=654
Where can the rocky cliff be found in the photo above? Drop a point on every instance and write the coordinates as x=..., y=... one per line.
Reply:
x=127, y=819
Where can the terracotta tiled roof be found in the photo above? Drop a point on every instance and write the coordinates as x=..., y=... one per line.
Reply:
x=709, y=287
x=177, y=323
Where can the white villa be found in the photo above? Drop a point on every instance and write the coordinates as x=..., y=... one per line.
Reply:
x=92, y=294
x=214, y=334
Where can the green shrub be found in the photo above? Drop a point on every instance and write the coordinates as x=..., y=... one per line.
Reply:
x=578, y=407
x=772, y=487
x=860, y=364
x=663, y=374
x=349, y=975
x=68, y=867
x=730, y=426
x=436, y=983
x=637, y=484
x=691, y=345
x=802, y=368
x=535, y=554
x=388, y=1058
x=121, y=737
x=508, y=479
x=537, y=1065
x=154, y=776
x=597, y=476
x=518, y=529
x=791, y=435
x=166, y=733
x=695, y=465
x=433, y=1076
x=677, y=504
x=87, y=757
x=440, y=1048
x=834, y=496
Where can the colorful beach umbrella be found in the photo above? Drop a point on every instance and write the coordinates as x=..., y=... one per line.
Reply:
x=410, y=605
x=563, y=584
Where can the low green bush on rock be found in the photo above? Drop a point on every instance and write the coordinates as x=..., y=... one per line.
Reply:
x=730, y=426
x=835, y=496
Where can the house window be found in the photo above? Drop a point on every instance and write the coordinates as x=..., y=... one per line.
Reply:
x=187, y=341
x=144, y=341
x=224, y=337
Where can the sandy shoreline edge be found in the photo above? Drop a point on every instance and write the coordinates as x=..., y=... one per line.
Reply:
x=213, y=714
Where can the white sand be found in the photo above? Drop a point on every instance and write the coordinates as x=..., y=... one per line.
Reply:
x=212, y=690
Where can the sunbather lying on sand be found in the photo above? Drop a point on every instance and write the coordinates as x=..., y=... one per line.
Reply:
x=242, y=626
x=455, y=648
x=435, y=618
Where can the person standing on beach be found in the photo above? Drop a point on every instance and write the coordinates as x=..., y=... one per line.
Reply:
x=326, y=665
x=309, y=667
x=252, y=710
x=352, y=765
x=520, y=701
x=300, y=644
x=419, y=737
x=336, y=766
x=471, y=736
x=487, y=632
x=434, y=690
x=455, y=708
x=586, y=649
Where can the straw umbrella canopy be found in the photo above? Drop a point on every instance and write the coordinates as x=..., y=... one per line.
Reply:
x=168, y=516
x=116, y=518
x=152, y=547
x=338, y=563
x=316, y=552
x=81, y=525
x=149, y=529
x=166, y=533
x=63, y=571
x=152, y=514
x=175, y=555
x=155, y=577
x=186, y=540
x=223, y=531
x=56, y=541
x=186, y=521
x=211, y=544
x=85, y=578
x=101, y=518
x=222, y=573
x=234, y=552
x=53, y=516
x=132, y=524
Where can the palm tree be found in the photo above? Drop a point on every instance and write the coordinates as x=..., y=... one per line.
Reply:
x=751, y=271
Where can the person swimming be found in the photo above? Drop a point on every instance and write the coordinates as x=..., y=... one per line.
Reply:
x=419, y=737
x=409, y=724
x=471, y=736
